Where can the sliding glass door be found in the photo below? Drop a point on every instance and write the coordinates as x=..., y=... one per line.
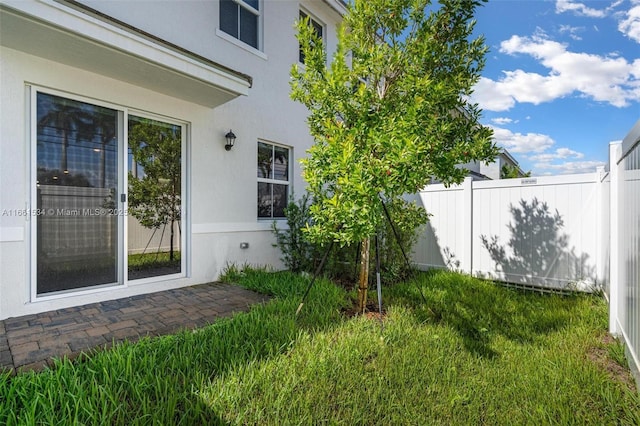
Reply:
x=89, y=193
x=76, y=187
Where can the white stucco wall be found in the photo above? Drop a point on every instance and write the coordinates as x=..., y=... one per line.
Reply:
x=222, y=185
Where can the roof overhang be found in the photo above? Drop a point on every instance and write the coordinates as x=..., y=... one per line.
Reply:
x=338, y=6
x=64, y=34
x=508, y=156
x=632, y=138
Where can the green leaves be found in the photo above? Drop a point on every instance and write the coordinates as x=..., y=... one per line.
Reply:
x=391, y=110
x=154, y=197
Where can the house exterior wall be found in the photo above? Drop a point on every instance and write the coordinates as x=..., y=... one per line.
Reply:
x=481, y=171
x=492, y=170
x=221, y=189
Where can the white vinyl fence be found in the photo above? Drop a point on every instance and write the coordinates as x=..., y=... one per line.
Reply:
x=543, y=232
x=572, y=232
x=624, y=291
x=145, y=240
x=78, y=229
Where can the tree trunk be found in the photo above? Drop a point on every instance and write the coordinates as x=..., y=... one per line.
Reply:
x=103, y=160
x=65, y=144
x=363, y=284
x=171, y=241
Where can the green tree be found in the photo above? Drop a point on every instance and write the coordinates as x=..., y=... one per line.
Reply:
x=390, y=112
x=70, y=121
x=105, y=126
x=154, y=198
x=509, y=172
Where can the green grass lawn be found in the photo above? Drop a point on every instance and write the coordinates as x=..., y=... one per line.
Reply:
x=474, y=353
x=153, y=259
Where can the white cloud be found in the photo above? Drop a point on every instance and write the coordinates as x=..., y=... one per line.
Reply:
x=502, y=120
x=566, y=153
x=569, y=167
x=537, y=148
x=579, y=9
x=572, y=31
x=630, y=26
x=521, y=143
x=602, y=78
x=559, y=154
x=492, y=96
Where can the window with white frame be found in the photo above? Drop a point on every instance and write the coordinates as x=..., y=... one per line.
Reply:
x=273, y=180
x=318, y=28
x=240, y=19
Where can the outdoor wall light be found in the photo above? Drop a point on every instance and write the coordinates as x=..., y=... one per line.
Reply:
x=231, y=140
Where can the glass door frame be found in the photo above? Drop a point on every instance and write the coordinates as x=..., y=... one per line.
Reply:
x=121, y=206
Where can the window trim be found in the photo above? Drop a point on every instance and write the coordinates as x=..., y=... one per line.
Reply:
x=288, y=182
x=236, y=40
x=231, y=39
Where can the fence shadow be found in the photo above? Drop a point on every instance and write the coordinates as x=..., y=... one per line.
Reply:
x=538, y=253
x=427, y=251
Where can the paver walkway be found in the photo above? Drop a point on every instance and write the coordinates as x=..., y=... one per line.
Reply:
x=30, y=342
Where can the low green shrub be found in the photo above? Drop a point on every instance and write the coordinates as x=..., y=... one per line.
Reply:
x=299, y=254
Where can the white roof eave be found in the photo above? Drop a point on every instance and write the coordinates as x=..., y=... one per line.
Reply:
x=63, y=34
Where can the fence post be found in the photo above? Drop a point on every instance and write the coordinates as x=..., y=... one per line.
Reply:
x=615, y=277
x=466, y=263
x=600, y=225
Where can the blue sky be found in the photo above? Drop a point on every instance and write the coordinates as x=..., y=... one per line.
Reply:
x=562, y=79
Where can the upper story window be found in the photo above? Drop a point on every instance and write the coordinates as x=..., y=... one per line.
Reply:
x=240, y=19
x=318, y=28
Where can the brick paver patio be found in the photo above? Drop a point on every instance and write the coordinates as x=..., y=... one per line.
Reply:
x=30, y=342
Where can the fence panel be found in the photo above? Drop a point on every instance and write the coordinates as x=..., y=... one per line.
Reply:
x=603, y=223
x=75, y=227
x=538, y=233
x=145, y=240
x=442, y=242
x=625, y=259
x=534, y=231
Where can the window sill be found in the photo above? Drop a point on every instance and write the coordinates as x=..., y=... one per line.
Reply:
x=241, y=44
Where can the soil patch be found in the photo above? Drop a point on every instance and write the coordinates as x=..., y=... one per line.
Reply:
x=371, y=311
x=601, y=356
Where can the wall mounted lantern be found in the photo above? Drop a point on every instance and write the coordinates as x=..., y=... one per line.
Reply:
x=231, y=140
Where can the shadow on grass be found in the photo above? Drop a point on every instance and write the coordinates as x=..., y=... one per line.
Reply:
x=158, y=380
x=481, y=311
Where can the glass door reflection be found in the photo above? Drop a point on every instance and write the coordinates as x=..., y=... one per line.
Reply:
x=76, y=187
x=155, y=198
